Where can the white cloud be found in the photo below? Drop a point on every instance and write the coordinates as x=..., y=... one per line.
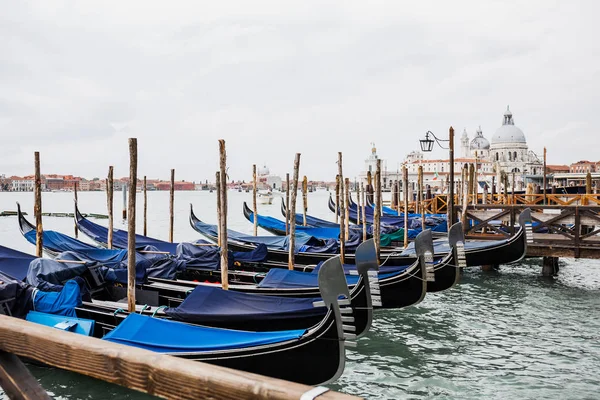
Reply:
x=274, y=78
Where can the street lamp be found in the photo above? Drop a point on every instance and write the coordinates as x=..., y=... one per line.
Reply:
x=427, y=146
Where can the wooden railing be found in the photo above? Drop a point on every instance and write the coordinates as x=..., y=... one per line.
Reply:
x=142, y=370
x=559, y=230
x=438, y=204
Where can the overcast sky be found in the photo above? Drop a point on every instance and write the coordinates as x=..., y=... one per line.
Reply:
x=272, y=78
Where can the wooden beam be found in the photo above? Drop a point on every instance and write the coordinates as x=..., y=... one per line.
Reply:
x=223, y=220
x=171, y=206
x=39, y=230
x=145, y=207
x=287, y=204
x=17, y=381
x=254, y=207
x=76, y=199
x=131, y=225
x=153, y=373
x=292, y=213
x=109, y=205
x=341, y=208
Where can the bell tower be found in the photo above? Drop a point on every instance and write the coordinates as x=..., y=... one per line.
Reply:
x=464, y=144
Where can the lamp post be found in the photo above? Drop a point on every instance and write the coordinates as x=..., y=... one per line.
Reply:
x=427, y=146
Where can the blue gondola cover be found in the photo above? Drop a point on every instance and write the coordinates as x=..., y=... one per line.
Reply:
x=207, y=303
x=166, y=336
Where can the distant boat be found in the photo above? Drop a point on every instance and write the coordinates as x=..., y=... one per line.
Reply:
x=264, y=197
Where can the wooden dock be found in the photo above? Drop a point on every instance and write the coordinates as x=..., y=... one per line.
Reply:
x=558, y=230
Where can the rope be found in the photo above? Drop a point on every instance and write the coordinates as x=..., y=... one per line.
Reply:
x=158, y=308
x=118, y=310
x=146, y=306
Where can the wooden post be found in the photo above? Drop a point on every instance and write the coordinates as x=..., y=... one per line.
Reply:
x=369, y=187
x=341, y=208
x=451, y=213
x=358, y=205
x=145, y=207
x=218, y=187
x=39, y=231
x=292, y=213
x=171, y=205
x=420, y=196
x=304, y=199
x=17, y=381
x=347, y=208
x=337, y=197
x=287, y=203
x=588, y=187
x=109, y=205
x=377, y=214
x=131, y=226
x=76, y=200
x=472, y=183
x=512, y=191
x=364, y=219
x=465, y=201
x=405, y=195
x=223, y=221
x=124, y=191
x=544, y=180
x=254, y=206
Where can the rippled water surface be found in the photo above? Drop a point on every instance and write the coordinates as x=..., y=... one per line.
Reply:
x=509, y=334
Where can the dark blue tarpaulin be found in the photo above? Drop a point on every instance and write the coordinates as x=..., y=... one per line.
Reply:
x=207, y=303
x=166, y=336
x=99, y=234
x=14, y=263
x=272, y=242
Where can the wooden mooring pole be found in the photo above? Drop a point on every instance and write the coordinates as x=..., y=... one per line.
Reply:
x=341, y=208
x=171, y=206
x=405, y=195
x=145, y=208
x=109, y=205
x=254, y=206
x=287, y=203
x=39, y=231
x=364, y=219
x=377, y=214
x=131, y=226
x=304, y=199
x=218, y=187
x=292, y=214
x=544, y=180
x=347, y=209
x=337, y=197
x=223, y=220
x=124, y=191
x=76, y=200
x=420, y=196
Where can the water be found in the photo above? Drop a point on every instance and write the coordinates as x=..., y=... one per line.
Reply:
x=508, y=334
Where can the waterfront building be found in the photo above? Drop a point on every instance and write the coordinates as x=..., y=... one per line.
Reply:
x=265, y=179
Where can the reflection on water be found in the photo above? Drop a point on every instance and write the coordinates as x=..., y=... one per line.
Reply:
x=507, y=334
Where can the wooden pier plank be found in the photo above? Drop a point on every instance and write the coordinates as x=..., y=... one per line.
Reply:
x=142, y=370
x=16, y=380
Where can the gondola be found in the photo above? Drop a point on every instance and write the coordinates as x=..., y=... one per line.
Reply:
x=277, y=227
x=394, y=222
x=491, y=252
x=278, y=252
x=290, y=355
x=310, y=220
x=300, y=312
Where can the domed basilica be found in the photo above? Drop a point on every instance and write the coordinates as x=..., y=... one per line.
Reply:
x=508, y=151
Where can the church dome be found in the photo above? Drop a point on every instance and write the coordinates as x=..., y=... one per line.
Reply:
x=264, y=171
x=508, y=132
x=479, y=142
